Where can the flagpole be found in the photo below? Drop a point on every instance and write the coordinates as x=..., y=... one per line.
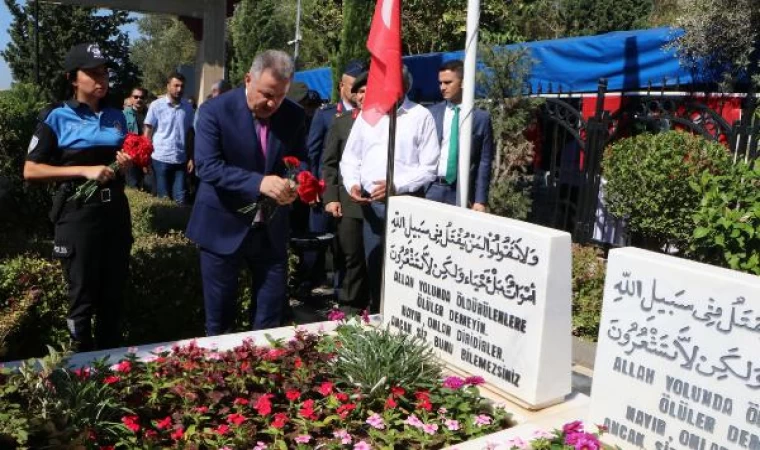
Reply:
x=468, y=102
x=389, y=189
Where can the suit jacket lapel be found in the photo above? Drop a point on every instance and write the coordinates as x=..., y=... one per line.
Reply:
x=249, y=136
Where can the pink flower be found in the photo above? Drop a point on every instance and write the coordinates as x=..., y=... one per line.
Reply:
x=482, y=420
x=336, y=315
x=376, y=421
x=201, y=409
x=474, y=381
x=343, y=435
x=453, y=383
x=582, y=441
x=365, y=316
x=260, y=446
x=573, y=427
x=442, y=410
x=303, y=439
x=82, y=372
x=451, y=424
x=413, y=421
x=516, y=442
x=430, y=428
x=541, y=434
x=362, y=445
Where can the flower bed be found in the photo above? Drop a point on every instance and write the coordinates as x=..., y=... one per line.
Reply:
x=359, y=388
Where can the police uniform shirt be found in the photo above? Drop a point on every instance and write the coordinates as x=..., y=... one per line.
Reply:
x=74, y=135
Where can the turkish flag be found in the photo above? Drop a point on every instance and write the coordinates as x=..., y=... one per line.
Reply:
x=384, y=87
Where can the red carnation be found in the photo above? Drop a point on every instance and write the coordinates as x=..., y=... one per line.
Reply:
x=309, y=187
x=280, y=419
x=139, y=148
x=291, y=162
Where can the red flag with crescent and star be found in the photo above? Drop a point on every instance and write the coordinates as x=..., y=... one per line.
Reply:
x=384, y=86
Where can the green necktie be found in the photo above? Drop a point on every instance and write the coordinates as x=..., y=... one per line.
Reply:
x=451, y=164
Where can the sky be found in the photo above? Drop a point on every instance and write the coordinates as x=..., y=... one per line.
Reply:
x=5, y=20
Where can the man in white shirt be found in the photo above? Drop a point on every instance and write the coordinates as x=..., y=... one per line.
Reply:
x=364, y=167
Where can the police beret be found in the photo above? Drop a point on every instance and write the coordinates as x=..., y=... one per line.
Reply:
x=360, y=81
x=354, y=68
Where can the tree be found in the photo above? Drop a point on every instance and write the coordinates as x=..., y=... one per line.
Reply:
x=61, y=27
x=722, y=36
x=590, y=17
x=255, y=26
x=166, y=44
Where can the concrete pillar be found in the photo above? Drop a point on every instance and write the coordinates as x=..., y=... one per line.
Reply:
x=210, y=58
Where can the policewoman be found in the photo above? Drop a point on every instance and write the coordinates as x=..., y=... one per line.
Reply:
x=76, y=141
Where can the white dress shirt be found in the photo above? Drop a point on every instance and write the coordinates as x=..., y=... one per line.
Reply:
x=448, y=117
x=365, y=156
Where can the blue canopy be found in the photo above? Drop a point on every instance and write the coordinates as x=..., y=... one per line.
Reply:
x=629, y=60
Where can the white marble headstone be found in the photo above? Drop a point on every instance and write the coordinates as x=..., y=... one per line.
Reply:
x=491, y=295
x=678, y=360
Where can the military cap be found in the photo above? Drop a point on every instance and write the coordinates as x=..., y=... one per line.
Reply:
x=354, y=68
x=360, y=81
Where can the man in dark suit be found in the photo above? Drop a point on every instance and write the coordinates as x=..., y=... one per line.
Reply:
x=319, y=220
x=241, y=139
x=349, y=242
x=448, y=123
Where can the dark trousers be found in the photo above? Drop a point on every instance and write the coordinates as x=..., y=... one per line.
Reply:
x=220, y=284
x=314, y=260
x=93, y=242
x=170, y=180
x=442, y=192
x=351, y=271
x=374, y=226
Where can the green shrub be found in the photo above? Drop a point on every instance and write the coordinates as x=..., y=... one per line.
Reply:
x=649, y=179
x=588, y=290
x=151, y=215
x=727, y=221
x=33, y=307
x=23, y=205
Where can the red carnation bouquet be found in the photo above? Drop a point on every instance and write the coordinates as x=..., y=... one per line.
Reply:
x=308, y=187
x=139, y=148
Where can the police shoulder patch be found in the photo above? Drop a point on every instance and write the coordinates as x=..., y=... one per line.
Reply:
x=33, y=144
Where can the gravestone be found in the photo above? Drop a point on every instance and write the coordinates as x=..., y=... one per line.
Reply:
x=490, y=295
x=678, y=359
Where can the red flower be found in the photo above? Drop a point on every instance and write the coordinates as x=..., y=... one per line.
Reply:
x=201, y=409
x=131, y=422
x=326, y=388
x=263, y=406
x=222, y=429
x=236, y=419
x=165, y=423
x=124, y=367
x=151, y=434
x=307, y=410
x=390, y=403
x=139, y=148
x=111, y=380
x=293, y=395
x=178, y=433
x=280, y=419
x=291, y=162
x=309, y=187
x=343, y=397
x=82, y=372
x=299, y=363
x=398, y=391
x=423, y=400
x=345, y=409
x=240, y=401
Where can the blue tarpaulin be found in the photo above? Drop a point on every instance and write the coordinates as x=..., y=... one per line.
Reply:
x=629, y=60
